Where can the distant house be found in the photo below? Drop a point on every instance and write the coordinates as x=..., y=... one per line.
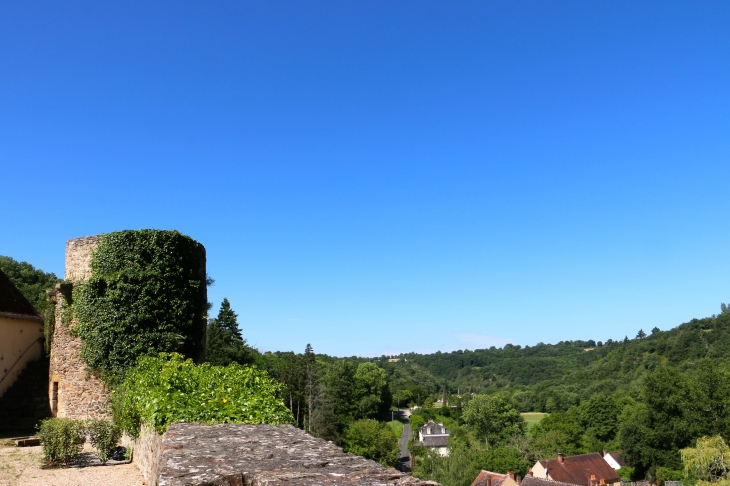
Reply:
x=21, y=333
x=614, y=459
x=584, y=470
x=434, y=436
x=489, y=478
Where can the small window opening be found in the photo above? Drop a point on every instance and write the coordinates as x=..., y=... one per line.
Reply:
x=54, y=398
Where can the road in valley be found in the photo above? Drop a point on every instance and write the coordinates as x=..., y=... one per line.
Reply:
x=404, y=462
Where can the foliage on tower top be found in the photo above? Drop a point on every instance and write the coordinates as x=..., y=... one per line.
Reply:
x=146, y=294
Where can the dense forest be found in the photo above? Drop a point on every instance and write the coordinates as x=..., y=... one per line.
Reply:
x=654, y=396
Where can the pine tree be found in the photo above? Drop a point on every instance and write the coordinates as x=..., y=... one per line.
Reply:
x=228, y=320
x=224, y=343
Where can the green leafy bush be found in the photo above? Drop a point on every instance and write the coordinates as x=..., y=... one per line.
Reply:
x=146, y=294
x=61, y=440
x=169, y=388
x=372, y=440
x=627, y=473
x=104, y=436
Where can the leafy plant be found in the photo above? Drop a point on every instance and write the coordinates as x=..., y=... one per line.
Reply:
x=104, y=436
x=169, y=388
x=61, y=439
x=709, y=461
x=146, y=294
x=372, y=440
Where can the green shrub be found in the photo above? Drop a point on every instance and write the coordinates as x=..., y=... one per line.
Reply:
x=169, y=388
x=372, y=440
x=61, y=440
x=626, y=473
x=146, y=294
x=104, y=436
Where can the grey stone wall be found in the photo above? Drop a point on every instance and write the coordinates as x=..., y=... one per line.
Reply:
x=262, y=455
x=146, y=452
x=80, y=394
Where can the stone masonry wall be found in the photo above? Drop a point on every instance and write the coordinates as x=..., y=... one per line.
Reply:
x=146, y=452
x=263, y=455
x=80, y=394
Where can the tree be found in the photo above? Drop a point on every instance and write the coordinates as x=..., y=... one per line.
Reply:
x=600, y=416
x=228, y=320
x=493, y=418
x=502, y=460
x=417, y=421
x=641, y=334
x=30, y=281
x=372, y=440
x=310, y=377
x=371, y=389
x=709, y=461
x=223, y=342
x=655, y=330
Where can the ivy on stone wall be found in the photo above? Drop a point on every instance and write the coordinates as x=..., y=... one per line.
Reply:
x=146, y=294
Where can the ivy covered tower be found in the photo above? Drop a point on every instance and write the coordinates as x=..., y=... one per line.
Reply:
x=125, y=294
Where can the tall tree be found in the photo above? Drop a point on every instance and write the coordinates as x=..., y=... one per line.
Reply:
x=311, y=380
x=493, y=418
x=224, y=343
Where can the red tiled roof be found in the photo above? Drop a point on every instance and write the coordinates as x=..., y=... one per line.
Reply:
x=578, y=469
x=13, y=303
x=497, y=478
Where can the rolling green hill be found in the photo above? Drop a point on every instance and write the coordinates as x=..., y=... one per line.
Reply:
x=550, y=377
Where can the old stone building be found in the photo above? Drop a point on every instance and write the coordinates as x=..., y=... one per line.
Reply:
x=73, y=391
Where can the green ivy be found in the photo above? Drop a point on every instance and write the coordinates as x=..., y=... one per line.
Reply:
x=146, y=294
x=169, y=388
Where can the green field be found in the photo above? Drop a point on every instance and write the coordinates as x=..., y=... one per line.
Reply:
x=397, y=427
x=533, y=417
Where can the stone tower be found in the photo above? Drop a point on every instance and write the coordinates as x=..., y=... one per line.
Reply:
x=73, y=391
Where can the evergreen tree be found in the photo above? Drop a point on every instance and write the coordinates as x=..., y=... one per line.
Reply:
x=224, y=343
x=228, y=320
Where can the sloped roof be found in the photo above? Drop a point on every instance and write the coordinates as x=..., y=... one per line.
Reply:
x=435, y=441
x=481, y=480
x=533, y=481
x=616, y=456
x=432, y=428
x=13, y=303
x=578, y=469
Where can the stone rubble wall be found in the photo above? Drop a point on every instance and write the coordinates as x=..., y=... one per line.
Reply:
x=260, y=455
x=146, y=452
x=80, y=394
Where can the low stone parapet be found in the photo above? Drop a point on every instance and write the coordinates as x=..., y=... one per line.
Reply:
x=261, y=455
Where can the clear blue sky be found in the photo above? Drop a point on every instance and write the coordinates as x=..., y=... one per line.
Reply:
x=379, y=177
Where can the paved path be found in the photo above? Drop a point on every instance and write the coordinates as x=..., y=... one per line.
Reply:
x=404, y=462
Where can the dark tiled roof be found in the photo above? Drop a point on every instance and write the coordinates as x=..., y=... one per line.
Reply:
x=533, y=481
x=13, y=303
x=578, y=469
x=435, y=441
x=434, y=428
x=616, y=455
x=481, y=480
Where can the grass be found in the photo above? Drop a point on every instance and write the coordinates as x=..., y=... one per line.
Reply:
x=533, y=417
x=397, y=426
